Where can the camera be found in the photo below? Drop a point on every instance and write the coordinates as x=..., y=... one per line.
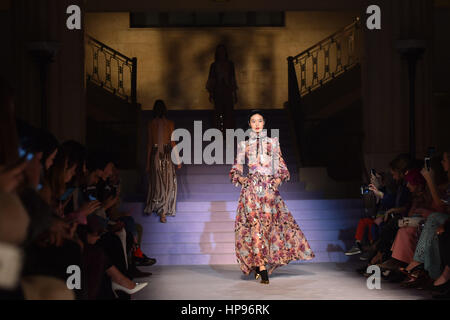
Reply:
x=431, y=152
x=90, y=192
x=365, y=189
x=428, y=163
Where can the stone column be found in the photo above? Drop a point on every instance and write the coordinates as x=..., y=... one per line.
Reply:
x=385, y=86
x=38, y=24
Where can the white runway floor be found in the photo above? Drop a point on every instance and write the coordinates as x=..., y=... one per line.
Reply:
x=309, y=281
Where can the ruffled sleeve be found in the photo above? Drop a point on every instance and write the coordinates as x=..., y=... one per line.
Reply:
x=280, y=169
x=237, y=169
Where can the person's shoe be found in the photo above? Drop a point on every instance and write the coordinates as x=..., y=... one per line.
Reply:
x=118, y=287
x=356, y=249
x=441, y=288
x=392, y=264
x=257, y=273
x=362, y=270
x=395, y=276
x=385, y=274
x=367, y=255
x=143, y=262
x=264, y=276
x=152, y=260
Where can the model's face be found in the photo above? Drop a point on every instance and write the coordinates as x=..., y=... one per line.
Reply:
x=257, y=123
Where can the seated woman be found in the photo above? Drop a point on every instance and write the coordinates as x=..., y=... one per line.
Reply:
x=388, y=196
x=388, y=223
x=427, y=254
x=406, y=237
x=102, y=278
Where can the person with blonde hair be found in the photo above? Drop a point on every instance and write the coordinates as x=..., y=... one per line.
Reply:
x=162, y=189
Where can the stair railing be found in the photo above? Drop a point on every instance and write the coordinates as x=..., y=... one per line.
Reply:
x=111, y=70
x=318, y=65
x=327, y=59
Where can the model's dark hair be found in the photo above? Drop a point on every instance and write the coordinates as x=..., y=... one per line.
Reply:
x=159, y=109
x=216, y=55
x=256, y=111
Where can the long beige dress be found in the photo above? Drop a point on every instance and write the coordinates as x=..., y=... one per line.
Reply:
x=162, y=191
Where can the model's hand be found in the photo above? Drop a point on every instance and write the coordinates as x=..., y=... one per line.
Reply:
x=242, y=180
x=276, y=184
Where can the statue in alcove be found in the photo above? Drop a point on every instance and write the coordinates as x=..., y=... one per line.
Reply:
x=222, y=89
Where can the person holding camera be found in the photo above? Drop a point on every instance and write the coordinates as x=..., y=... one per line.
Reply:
x=426, y=256
x=392, y=199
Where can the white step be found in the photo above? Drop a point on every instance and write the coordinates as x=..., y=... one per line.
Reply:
x=226, y=247
x=229, y=225
x=201, y=259
x=137, y=208
x=228, y=187
x=229, y=236
x=223, y=216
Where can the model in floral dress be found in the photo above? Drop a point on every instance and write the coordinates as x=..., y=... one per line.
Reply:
x=266, y=232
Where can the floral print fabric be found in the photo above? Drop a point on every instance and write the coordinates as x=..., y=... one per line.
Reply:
x=265, y=231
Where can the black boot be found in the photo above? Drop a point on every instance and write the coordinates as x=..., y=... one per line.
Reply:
x=257, y=273
x=264, y=276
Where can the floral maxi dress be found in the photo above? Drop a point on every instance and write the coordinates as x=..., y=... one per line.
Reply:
x=265, y=230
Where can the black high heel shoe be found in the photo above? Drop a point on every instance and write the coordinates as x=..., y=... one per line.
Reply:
x=264, y=276
x=442, y=287
x=257, y=273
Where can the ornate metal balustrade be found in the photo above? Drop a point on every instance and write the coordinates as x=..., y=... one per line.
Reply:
x=315, y=67
x=111, y=70
x=326, y=60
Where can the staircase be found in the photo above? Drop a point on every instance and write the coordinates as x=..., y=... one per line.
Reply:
x=112, y=109
x=325, y=104
x=202, y=232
